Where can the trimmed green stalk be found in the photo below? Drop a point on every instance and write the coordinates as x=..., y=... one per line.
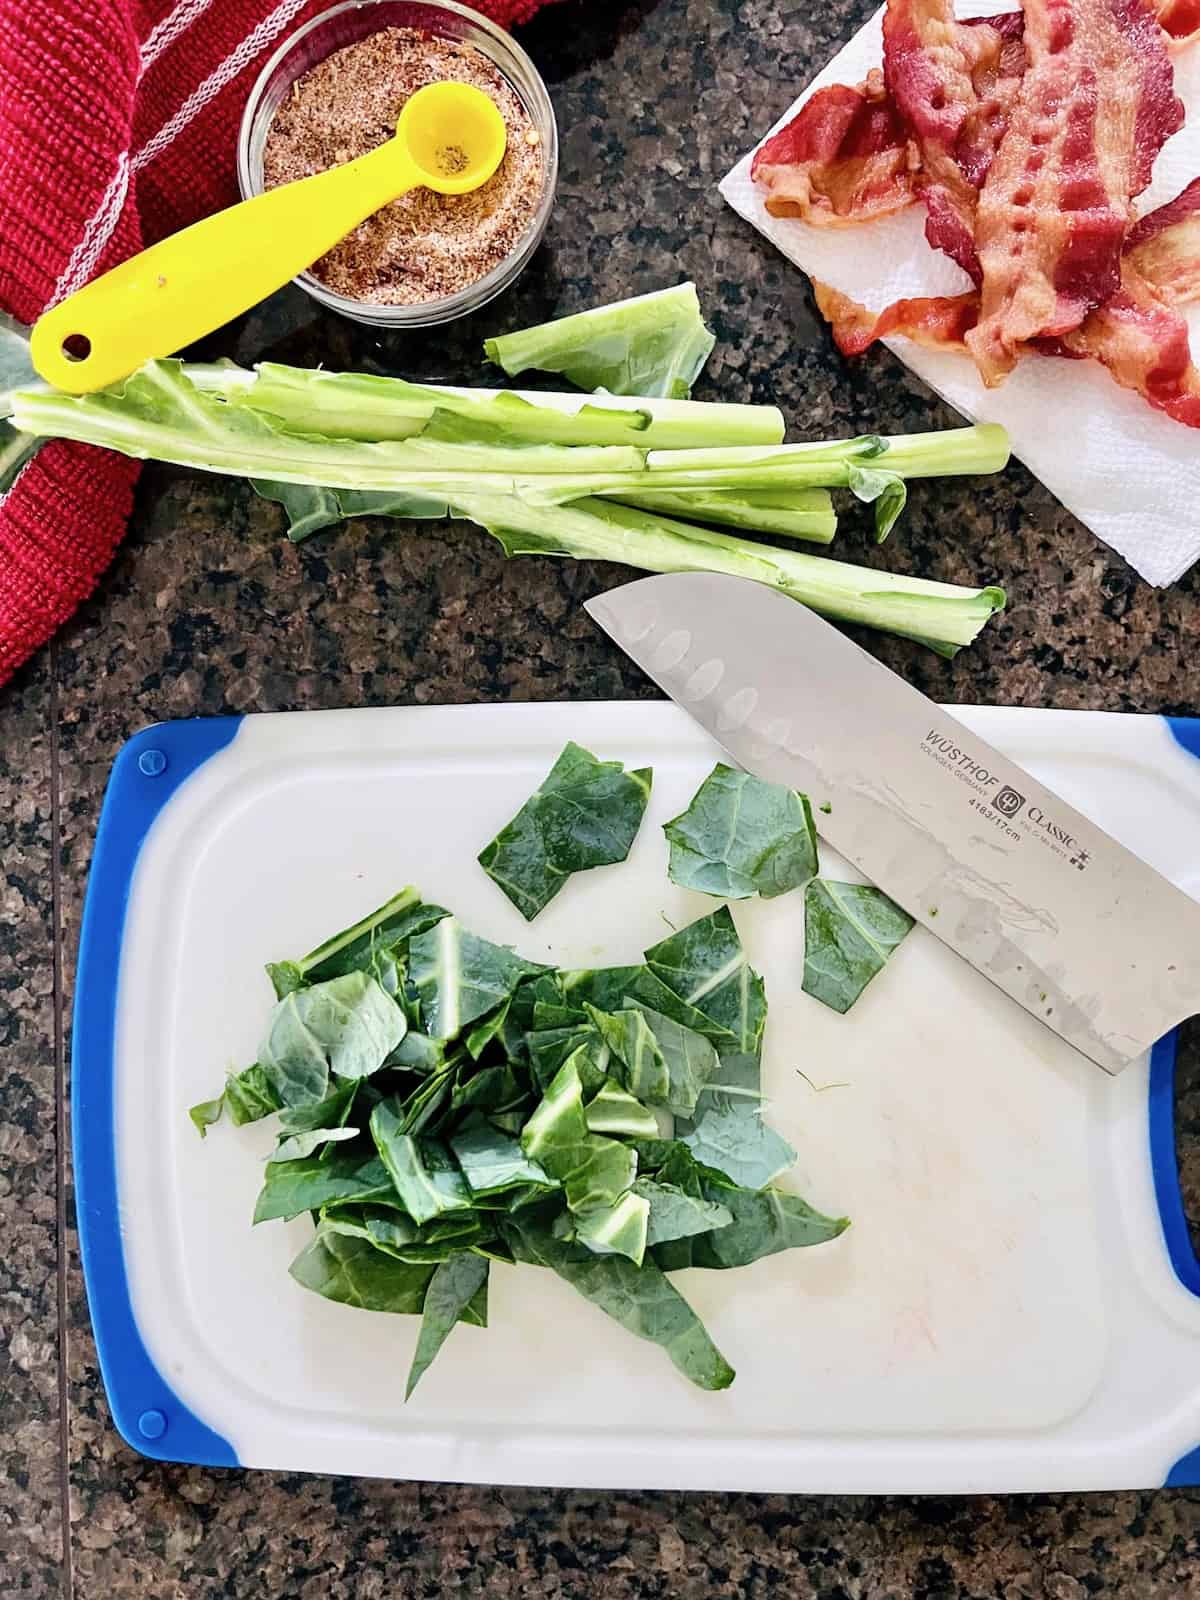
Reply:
x=158, y=415
x=953, y=452
x=355, y=405
x=795, y=513
x=944, y=616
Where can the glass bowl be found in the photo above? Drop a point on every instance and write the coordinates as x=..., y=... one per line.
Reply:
x=345, y=24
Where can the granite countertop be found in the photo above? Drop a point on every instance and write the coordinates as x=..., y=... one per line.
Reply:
x=208, y=609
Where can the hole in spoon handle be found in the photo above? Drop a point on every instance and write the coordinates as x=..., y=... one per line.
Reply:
x=65, y=354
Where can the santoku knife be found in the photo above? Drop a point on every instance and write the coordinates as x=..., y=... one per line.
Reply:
x=1078, y=930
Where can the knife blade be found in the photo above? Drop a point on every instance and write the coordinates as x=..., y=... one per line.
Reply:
x=1078, y=930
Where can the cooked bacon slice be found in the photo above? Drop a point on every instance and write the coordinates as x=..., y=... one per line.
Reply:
x=842, y=158
x=952, y=83
x=1143, y=342
x=1095, y=106
x=940, y=322
x=1179, y=19
x=1164, y=247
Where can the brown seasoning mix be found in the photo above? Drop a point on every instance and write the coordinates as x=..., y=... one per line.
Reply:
x=422, y=246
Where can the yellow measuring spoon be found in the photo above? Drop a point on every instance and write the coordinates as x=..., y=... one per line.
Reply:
x=450, y=138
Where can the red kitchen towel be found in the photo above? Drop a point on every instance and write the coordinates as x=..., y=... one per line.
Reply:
x=118, y=125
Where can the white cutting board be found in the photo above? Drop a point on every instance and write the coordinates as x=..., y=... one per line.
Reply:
x=1006, y=1312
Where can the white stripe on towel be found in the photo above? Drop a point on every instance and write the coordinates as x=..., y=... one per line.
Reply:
x=100, y=227
x=164, y=34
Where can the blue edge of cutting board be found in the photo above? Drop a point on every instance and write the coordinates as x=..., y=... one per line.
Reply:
x=146, y=1410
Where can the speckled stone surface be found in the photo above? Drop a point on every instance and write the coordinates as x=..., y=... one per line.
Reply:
x=208, y=609
x=30, y=1470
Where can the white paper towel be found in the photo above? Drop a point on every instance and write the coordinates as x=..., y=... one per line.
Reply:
x=1131, y=474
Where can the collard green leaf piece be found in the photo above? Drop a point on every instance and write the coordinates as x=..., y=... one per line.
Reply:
x=16, y=364
x=705, y=965
x=551, y=1047
x=615, y=1112
x=346, y=1025
x=299, y=1146
x=205, y=1113
x=585, y=814
x=653, y=344
x=332, y=1112
x=641, y=1063
x=887, y=491
x=595, y=1171
x=15, y=450
x=351, y=1221
x=460, y=977
x=454, y=1285
x=602, y=987
x=761, y=1223
x=850, y=930
x=388, y=967
x=248, y=1096
x=690, y=1059
x=676, y=1215
x=494, y=1249
x=558, y=1123
x=493, y=1162
x=388, y=927
x=351, y=1176
x=543, y=988
x=494, y=1089
x=649, y=990
x=546, y=1017
x=310, y=508
x=641, y=1299
x=429, y=1100
x=426, y=1178
x=741, y=836
x=735, y=1140
x=352, y=1272
x=600, y=1172
x=286, y=977
x=591, y=1059
x=669, y=1161
x=417, y=1052
x=736, y=1083
x=397, y=1235
x=486, y=1029
x=619, y=1229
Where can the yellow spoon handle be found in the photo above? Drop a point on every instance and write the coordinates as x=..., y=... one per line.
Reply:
x=193, y=282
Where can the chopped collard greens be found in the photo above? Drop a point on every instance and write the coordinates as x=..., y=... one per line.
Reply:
x=444, y=1104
